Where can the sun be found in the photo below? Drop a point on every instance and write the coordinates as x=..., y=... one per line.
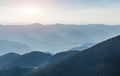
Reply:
x=30, y=10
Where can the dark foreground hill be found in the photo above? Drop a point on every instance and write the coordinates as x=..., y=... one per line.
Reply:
x=16, y=71
x=100, y=60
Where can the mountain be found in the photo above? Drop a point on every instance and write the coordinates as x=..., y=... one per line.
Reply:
x=101, y=60
x=7, y=58
x=12, y=46
x=39, y=59
x=32, y=59
x=60, y=56
x=24, y=65
x=15, y=64
x=62, y=36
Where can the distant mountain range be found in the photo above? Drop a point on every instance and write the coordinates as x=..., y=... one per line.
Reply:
x=57, y=37
x=13, y=46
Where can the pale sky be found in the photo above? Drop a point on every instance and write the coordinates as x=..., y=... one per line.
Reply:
x=60, y=11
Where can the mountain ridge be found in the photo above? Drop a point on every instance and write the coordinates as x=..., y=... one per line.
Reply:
x=100, y=60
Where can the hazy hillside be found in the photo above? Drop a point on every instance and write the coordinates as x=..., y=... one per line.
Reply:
x=100, y=60
x=84, y=46
x=63, y=37
x=12, y=46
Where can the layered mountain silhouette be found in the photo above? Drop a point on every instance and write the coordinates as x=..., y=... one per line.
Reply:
x=100, y=60
x=7, y=46
x=63, y=37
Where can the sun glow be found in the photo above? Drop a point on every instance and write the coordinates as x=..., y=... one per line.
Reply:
x=31, y=13
x=30, y=10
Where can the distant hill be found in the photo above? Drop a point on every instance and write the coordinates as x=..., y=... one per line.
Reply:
x=32, y=59
x=63, y=37
x=12, y=46
x=7, y=58
x=100, y=60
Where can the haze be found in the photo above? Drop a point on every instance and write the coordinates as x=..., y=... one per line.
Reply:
x=60, y=11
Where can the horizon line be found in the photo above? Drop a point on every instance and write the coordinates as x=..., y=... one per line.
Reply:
x=27, y=24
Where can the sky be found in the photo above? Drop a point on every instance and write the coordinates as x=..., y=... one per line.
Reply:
x=60, y=11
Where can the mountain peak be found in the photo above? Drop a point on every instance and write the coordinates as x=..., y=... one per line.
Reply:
x=37, y=24
x=11, y=54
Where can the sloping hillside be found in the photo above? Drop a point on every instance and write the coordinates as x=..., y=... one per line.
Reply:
x=100, y=60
